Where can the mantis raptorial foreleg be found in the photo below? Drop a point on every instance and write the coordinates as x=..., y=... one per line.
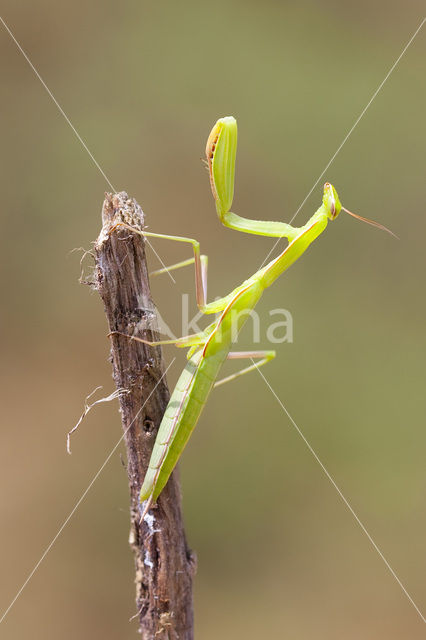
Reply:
x=266, y=356
x=258, y=227
x=221, y=149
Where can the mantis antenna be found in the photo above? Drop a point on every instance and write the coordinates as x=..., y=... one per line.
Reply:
x=372, y=222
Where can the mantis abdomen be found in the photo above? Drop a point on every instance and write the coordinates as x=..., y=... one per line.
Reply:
x=192, y=390
x=182, y=413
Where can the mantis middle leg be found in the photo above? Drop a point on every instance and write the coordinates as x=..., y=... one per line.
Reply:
x=266, y=356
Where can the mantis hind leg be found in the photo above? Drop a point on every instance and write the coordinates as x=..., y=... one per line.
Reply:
x=266, y=356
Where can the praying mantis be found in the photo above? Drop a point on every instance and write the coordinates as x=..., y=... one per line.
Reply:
x=209, y=349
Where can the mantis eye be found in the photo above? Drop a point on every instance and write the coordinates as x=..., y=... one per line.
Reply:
x=221, y=149
x=331, y=201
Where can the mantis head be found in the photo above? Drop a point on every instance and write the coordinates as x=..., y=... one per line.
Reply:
x=331, y=201
x=221, y=149
x=333, y=207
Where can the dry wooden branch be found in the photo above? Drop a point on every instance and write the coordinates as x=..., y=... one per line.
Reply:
x=164, y=564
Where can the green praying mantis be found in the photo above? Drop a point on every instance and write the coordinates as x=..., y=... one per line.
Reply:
x=210, y=348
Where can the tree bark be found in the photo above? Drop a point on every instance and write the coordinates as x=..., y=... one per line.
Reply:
x=164, y=564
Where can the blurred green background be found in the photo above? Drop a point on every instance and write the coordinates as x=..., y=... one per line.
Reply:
x=279, y=554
